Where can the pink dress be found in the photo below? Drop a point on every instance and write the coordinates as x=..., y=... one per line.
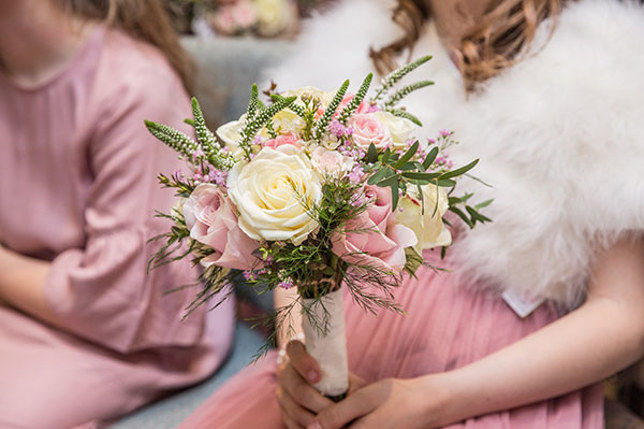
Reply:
x=78, y=188
x=446, y=327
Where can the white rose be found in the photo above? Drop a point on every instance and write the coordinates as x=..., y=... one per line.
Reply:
x=330, y=161
x=230, y=134
x=272, y=193
x=324, y=96
x=428, y=226
x=287, y=121
x=401, y=129
x=274, y=16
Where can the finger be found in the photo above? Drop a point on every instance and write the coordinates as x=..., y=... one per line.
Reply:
x=292, y=409
x=355, y=383
x=340, y=414
x=303, y=362
x=289, y=423
x=302, y=392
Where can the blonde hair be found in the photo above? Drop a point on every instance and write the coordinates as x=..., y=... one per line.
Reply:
x=145, y=20
x=506, y=28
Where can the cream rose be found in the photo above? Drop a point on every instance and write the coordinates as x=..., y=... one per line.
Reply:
x=287, y=121
x=230, y=134
x=428, y=226
x=272, y=193
x=324, y=96
x=401, y=129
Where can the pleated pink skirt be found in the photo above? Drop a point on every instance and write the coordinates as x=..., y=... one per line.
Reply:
x=446, y=327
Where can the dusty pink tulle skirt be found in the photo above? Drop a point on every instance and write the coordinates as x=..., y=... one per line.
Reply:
x=445, y=328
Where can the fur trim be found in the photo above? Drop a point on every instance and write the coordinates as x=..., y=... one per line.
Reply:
x=560, y=136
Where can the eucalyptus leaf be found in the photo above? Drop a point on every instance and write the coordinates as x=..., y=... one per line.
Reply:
x=430, y=158
x=460, y=171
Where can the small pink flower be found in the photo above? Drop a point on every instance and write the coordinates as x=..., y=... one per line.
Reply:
x=212, y=221
x=284, y=139
x=367, y=129
x=374, y=238
x=330, y=161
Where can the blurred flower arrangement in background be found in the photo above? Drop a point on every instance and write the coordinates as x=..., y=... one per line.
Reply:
x=258, y=18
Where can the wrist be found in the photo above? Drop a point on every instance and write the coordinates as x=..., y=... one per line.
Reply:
x=440, y=400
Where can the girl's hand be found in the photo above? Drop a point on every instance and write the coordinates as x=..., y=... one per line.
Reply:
x=299, y=401
x=389, y=403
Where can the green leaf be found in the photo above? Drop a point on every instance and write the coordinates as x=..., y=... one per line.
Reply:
x=459, y=171
x=430, y=158
x=476, y=215
x=483, y=204
x=385, y=156
x=378, y=176
x=394, y=194
x=416, y=175
x=372, y=154
x=407, y=155
x=388, y=181
x=462, y=215
x=446, y=183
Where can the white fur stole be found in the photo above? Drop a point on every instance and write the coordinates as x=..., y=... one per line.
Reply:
x=560, y=135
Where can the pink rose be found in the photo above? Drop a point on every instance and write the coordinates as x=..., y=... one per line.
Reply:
x=212, y=221
x=368, y=129
x=281, y=140
x=330, y=161
x=374, y=238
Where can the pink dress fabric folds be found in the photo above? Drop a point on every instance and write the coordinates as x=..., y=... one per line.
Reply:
x=446, y=327
x=78, y=188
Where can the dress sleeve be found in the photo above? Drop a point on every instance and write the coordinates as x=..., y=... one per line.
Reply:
x=103, y=292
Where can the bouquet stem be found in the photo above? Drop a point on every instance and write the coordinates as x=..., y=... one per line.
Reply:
x=324, y=330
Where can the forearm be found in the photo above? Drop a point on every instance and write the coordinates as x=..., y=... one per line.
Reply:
x=22, y=281
x=601, y=337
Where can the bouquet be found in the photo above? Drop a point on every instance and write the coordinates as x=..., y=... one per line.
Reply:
x=316, y=191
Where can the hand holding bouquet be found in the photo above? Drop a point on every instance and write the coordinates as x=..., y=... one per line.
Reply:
x=315, y=191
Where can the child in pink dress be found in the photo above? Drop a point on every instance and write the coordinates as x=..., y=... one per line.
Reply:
x=546, y=94
x=85, y=333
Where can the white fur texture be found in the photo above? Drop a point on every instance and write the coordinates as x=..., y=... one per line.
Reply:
x=560, y=135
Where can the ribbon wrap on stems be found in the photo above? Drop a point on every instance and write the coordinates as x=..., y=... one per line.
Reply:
x=326, y=342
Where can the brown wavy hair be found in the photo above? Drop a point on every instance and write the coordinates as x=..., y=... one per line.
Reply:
x=494, y=43
x=145, y=20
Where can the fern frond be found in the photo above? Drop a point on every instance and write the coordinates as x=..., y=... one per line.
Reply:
x=323, y=122
x=177, y=140
x=392, y=78
x=405, y=91
x=254, y=125
x=355, y=103
x=405, y=114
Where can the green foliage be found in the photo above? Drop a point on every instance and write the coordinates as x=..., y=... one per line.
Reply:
x=405, y=91
x=256, y=119
x=174, y=138
x=392, y=78
x=323, y=122
x=357, y=99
